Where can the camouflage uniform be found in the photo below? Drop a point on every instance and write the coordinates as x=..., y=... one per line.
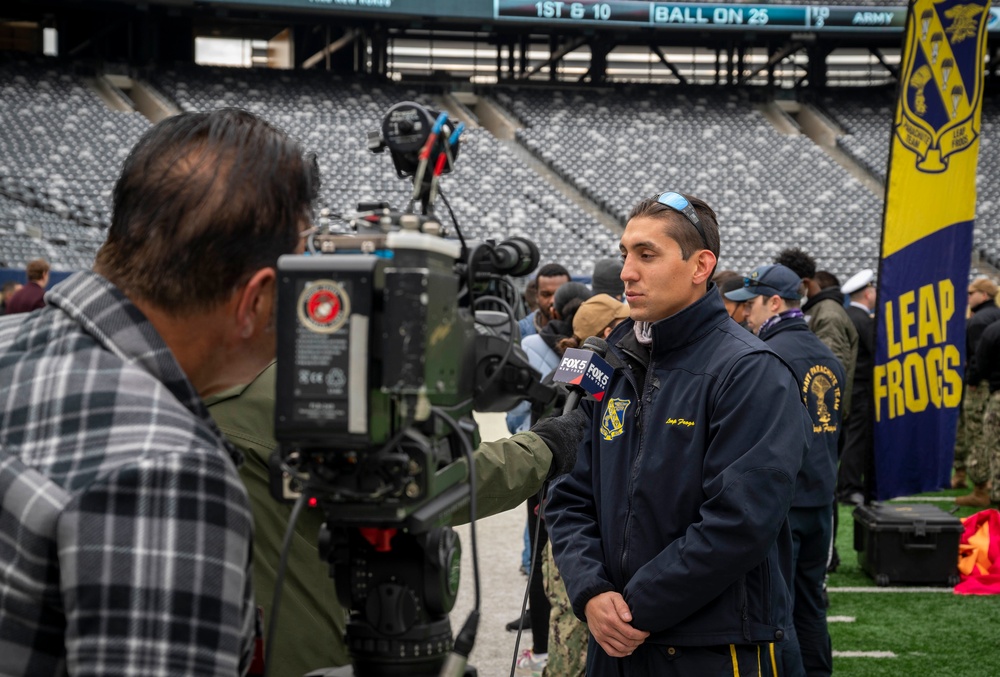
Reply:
x=991, y=445
x=568, y=635
x=976, y=442
x=961, y=444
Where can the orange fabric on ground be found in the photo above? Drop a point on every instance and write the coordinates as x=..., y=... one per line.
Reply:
x=979, y=554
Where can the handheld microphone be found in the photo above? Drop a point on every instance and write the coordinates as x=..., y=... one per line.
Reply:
x=586, y=369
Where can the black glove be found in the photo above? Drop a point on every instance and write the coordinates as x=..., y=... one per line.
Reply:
x=540, y=410
x=562, y=435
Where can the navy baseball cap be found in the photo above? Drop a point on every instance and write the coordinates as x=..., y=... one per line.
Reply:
x=771, y=280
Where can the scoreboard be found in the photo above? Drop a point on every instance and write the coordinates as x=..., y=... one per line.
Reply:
x=666, y=14
x=621, y=14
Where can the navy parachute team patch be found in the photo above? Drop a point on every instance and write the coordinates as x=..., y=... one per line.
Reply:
x=324, y=306
x=942, y=91
x=821, y=393
x=613, y=422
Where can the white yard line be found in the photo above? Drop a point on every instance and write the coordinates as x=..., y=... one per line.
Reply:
x=840, y=619
x=863, y=654
x=948, y=590
x=923, y=499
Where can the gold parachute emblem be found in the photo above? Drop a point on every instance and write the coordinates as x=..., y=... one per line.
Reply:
x=820, y=385
x=918, y=81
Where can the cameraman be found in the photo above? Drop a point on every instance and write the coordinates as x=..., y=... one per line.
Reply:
x=125, y=533
x=507, y=472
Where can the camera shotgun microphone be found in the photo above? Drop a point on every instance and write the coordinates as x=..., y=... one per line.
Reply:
x=586, y=369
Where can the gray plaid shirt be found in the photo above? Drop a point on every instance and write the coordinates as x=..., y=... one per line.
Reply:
x=125, y=531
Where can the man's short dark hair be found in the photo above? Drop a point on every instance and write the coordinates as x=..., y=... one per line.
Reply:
x=552, y=270
x=8, y=287
x=825, y=279
x=799, y=261
x=36, y=269
x=726, y=280
x=203, y=201
x=679, y=228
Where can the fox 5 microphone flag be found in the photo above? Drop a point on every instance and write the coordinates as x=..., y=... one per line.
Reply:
x=584, y=368
x=927, y=245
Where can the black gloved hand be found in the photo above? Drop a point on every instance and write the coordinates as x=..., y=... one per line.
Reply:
x=554, y=406
x=562, y=435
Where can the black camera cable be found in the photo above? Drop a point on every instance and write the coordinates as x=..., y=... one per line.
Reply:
x=456, y=661
x=286, y=546
x=535, y=552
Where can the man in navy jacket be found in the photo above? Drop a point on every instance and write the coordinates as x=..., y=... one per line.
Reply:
x=772, y=297
x=671, y=532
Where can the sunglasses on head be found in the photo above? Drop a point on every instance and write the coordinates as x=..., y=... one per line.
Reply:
x=681, y=205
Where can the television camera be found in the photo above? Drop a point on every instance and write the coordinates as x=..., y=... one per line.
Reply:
x=390, y=334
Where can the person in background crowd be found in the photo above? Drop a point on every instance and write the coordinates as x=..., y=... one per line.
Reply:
x=506, y=473
x=825, y=313
x=606, y=278
x=32, y=295
x=984, y=313
x=545, y=350
x=830, y=322
x=568, y=636
x=126, y=533
x=772, y=297
x=828, y=319
x=547, y=281
x=857, y=462
x=596, y=316
x=549, y=278
x=516, y=417
x=531, y=295
x=727, y=281
x=987, y=462
x=8, y=289
x=671, y=531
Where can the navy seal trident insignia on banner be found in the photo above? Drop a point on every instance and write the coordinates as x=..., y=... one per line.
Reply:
x=942, y=80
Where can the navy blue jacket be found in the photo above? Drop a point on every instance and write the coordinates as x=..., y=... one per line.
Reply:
x=680, y=492
x=989, y=356
x=983, y=315
x=821, y=383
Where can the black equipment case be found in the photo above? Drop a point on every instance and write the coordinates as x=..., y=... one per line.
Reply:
x=899, y=543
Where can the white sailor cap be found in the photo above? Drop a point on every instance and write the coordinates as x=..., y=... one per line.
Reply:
x=858, y=281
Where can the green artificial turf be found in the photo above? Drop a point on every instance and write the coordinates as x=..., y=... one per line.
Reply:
x=938, y=634
x=932, y=634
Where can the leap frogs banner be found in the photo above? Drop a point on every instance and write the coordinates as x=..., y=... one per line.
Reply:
x=927, y=245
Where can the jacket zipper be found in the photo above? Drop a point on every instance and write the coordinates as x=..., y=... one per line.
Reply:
x=623, y=561
x=744, y=607
x=643, y=395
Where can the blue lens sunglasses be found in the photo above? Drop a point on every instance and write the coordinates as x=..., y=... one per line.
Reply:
x=680, y=204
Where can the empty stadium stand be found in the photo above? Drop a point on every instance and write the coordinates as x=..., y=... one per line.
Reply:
x=770, y=190
x=866, y=119
x=493, y=192
x=61, y=148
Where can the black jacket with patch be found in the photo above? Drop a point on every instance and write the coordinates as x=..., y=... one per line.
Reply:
x=680, y=492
